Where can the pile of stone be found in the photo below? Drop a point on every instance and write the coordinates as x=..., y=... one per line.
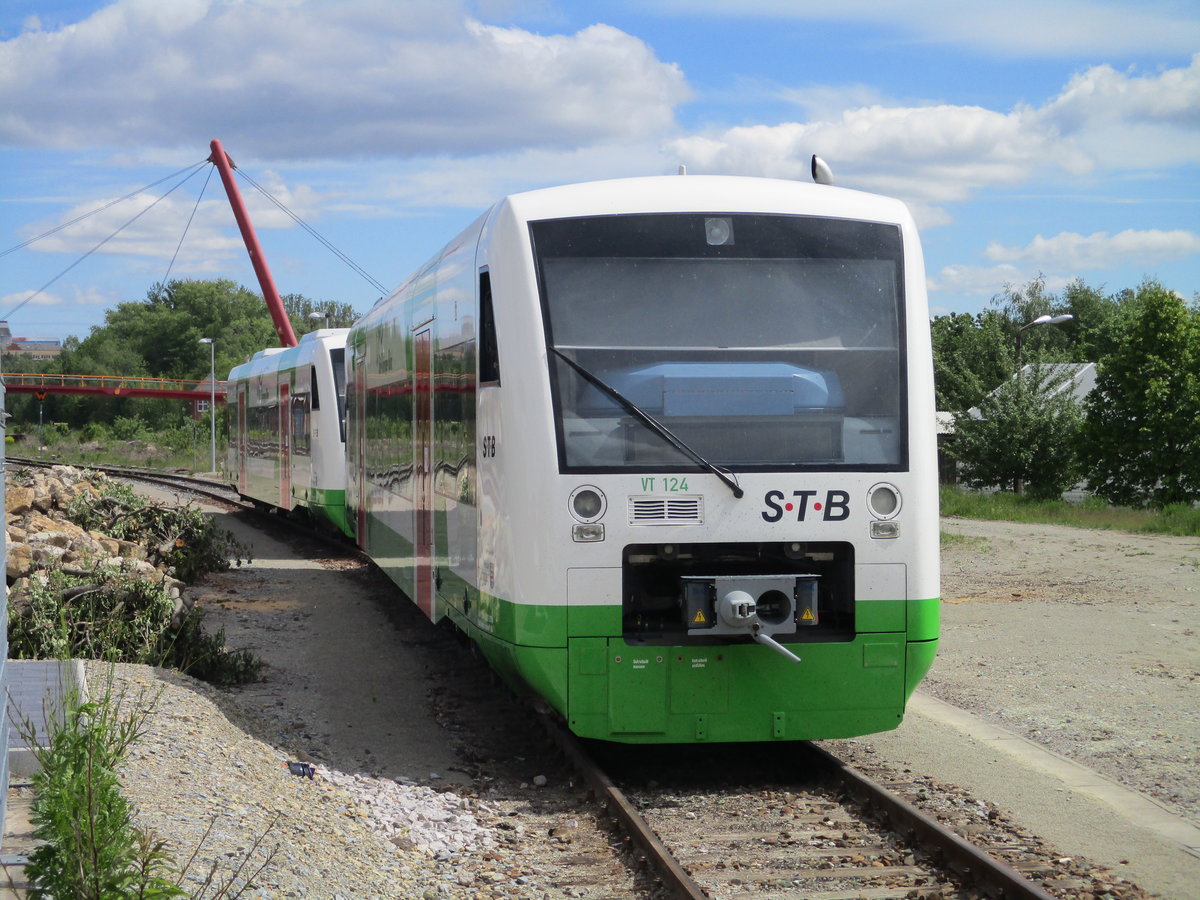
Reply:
x=39, y=537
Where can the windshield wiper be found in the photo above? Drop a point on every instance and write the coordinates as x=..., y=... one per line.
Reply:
x=652, y=423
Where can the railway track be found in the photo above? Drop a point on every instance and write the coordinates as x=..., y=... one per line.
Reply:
x=776, y=822
x=205, y=487
x=750, y=821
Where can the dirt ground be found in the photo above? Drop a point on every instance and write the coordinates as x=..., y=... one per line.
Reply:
x=1085, y=641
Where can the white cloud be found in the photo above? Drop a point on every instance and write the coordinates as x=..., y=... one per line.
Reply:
x=313, y=79
x=1071, y=251
x=926, y=155
x=939, y=154
x=988, y=281
x=1129, y=121
x=1007, y=28
x=20, y=298
x=974, y=281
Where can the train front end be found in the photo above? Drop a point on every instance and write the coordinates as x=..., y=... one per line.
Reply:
x=709, y=504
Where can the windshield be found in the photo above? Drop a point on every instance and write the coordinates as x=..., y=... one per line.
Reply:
x=764, y=342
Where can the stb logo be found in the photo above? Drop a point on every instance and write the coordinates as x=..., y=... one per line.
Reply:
x=834, y=508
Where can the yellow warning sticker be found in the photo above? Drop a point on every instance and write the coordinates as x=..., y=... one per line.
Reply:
x=699, y=619
x=807, y=616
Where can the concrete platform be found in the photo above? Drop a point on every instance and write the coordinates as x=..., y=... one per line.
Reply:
x=1080, y=811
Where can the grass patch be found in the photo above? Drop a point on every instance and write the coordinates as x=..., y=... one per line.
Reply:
x=1176, y=519
x=964, y=541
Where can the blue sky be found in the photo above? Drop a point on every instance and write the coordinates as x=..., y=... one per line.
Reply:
x=1059, y=137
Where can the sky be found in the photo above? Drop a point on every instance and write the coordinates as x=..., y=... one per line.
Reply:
x=1030, y=138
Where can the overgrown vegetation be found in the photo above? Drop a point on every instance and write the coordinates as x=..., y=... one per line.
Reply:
x=119, y=618
x=1178, y=519
x=91, y=849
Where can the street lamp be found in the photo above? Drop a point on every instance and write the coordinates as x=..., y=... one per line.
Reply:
x=212, y=403
x=320, y=315
x=1040, y=320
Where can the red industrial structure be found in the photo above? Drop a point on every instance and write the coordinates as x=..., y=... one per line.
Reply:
x=166, y=388
x=283, y=325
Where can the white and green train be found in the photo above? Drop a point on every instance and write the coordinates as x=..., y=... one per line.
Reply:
x=663, y=448
x=287, y=426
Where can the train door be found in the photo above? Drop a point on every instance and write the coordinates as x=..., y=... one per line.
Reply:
x=360, y=446
x=243, y=396
x=423, y=500
x=285, y=447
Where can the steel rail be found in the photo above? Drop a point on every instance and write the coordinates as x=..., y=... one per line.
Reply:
x=674, y=877
x=214, y=490
x=961, y=855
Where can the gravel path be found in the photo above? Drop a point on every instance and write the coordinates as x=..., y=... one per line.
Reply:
x=1085, y=641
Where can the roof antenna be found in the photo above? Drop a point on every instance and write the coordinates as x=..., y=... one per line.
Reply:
x=821, y=173
x=682, y=169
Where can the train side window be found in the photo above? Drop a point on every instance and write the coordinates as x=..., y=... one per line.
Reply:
x=489, y=357
x=316, y=396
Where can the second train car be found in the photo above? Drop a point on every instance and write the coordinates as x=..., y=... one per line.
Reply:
x=287, y=439
x=664, y=448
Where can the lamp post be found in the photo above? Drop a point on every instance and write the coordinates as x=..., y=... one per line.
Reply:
x=1040, y=320
x=212, y=402
x=320, y=315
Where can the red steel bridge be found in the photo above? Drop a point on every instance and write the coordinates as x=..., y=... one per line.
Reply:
x=112, y=386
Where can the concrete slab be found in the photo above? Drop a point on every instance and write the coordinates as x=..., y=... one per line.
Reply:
x=35, y=696
x=1077, y=810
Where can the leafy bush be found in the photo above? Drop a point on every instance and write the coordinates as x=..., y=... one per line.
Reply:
x=119, y=619
x=130, y=428
x=182, y=537
x=95, y=431
x=202, y=655
x=69, y=617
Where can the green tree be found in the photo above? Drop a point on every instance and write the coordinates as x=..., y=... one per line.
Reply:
x=1094, y=314
x=1024, y=435
x=1142, y=421
x=309, y=315
x=971, y=356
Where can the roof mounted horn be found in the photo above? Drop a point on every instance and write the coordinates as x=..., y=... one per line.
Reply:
x=821, y=173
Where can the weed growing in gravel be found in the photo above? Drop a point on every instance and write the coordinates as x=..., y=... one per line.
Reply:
x=92, y=850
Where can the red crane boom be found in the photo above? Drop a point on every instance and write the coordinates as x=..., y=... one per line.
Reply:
x=283, y=325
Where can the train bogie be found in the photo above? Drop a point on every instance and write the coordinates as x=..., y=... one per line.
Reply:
x=664, y=449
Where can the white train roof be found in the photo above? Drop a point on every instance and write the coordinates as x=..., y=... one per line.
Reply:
x=703, y=193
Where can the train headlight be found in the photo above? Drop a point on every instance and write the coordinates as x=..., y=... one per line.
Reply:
x=884, y=500
x=718, y=231
x=587, y=504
